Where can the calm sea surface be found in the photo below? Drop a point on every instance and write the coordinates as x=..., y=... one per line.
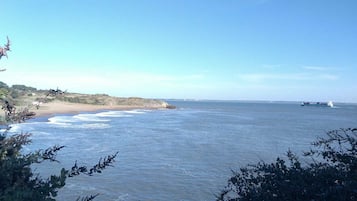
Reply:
x=181, y=154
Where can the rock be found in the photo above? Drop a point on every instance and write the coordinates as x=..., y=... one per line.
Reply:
x=171, y=107
x=168, y=106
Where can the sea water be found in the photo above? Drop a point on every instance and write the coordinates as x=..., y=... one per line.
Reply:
x=182, y=154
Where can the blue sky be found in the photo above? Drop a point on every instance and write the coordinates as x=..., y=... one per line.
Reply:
x=197, y=49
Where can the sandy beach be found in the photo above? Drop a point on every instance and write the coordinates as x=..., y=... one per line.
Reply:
x=60, y=107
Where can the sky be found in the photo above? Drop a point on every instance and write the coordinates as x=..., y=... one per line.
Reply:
x=276, y=50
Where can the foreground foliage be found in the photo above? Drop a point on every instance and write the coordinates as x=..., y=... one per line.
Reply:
x=332, y=174
x=18, y=182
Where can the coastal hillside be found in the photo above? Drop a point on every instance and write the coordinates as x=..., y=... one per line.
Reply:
x=44, y=102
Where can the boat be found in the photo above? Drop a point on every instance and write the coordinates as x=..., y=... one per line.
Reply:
x=319, y=104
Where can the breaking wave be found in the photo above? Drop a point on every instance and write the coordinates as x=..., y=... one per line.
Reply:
x=91, y=120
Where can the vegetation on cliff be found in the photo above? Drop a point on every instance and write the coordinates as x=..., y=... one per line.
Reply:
x=22, y=95
x=28, y=99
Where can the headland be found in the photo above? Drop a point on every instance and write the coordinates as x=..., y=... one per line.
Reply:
x=52, y=102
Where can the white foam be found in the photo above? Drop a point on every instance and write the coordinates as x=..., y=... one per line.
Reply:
x=135, y=111
x=81, y=120
x=62, y=120
x=81, y=125
x=18, y=128
x=15, y=128
x=112, y=114
x=89, y=118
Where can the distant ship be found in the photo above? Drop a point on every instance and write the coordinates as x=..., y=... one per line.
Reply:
x=321, y=104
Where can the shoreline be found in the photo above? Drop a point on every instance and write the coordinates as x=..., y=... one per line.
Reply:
x=59, y=107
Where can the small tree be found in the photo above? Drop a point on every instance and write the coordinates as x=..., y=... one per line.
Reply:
x=331, y=176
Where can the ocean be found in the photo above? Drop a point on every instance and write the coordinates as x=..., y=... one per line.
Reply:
x=181, y=154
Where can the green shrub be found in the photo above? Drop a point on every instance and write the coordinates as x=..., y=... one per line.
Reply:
x=22, y=87
x=3, y=92
x=332, y=176
x=3, y=85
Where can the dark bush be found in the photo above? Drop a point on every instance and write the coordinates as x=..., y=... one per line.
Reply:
x=332, y=176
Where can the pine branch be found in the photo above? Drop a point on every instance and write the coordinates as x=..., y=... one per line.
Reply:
x=97, y=168
x=87, y=198
x=51, y=153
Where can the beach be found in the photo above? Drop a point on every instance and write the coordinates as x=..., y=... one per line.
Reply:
x=41, y=103
x=61, y=107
